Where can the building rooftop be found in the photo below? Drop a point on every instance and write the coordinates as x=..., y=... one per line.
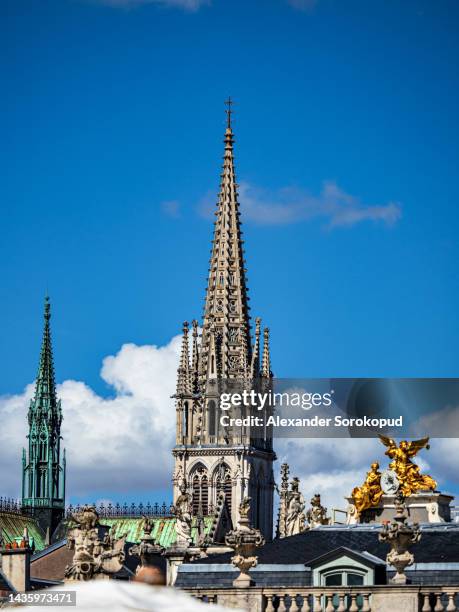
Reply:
x=439, y=543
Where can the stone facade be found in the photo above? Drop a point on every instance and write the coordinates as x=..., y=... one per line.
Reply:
x=210, y=458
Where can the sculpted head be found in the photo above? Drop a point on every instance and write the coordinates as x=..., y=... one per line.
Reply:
x=375, y=466
x=404, y=445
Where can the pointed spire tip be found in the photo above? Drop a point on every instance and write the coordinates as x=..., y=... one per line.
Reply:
x=229, y=103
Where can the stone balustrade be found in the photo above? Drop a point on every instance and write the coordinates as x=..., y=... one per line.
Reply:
x=439, y=600
x=345, y=599
x=378, y=598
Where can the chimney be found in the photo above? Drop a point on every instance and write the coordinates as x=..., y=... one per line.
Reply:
x=15, y=562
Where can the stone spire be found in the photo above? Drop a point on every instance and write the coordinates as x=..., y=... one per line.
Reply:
x=266, y=362
x=211, y=459
x=183, y=374
x=43, y=480
x=195, y=358
x=226, y=312
x=256, y=349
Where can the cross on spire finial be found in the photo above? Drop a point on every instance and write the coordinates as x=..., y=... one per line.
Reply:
x=229, y=103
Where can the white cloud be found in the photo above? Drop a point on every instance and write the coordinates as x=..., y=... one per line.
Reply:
x=120, y=444
x=187, y=5
x=333, y=467
x=292, y=205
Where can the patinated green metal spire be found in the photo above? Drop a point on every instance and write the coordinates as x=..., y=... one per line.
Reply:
x=43, y=482
x=45, y=387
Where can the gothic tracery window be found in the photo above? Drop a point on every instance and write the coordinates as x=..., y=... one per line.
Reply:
x=185, y=420
x=211, y=418
x=223, y=483
x=200, y=491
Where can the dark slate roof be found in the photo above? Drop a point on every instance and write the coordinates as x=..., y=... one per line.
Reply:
x=439, y=543
x=224, y=580
x=364, y=557
x=49, y=549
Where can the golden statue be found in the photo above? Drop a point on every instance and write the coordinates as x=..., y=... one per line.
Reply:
x=369, y=494
x=408, y=473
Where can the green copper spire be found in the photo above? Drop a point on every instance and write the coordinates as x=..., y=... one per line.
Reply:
x=43, y=481
x=45, y=387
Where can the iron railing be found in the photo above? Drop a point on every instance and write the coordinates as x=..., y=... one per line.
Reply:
x=125, y=510
x=15, y=506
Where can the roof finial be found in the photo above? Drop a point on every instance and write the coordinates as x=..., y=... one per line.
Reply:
x=47, y=313
x=229, y=103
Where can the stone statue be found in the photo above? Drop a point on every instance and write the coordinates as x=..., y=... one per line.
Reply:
x=244, y=540
x=408, y=473
x=179, y=476
x=400, y=536
x=317, y=514
x=93, y=557
x=369, y=494
x=294, y=520
x=182, y=511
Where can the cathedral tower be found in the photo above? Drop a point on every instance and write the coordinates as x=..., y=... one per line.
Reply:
x=43, y=473
x=210, y=458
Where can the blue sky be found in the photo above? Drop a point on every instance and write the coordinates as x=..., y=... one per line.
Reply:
x=112, y=145
x=346, y=147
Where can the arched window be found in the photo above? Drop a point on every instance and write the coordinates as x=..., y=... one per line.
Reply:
x=223, y=483
x=200, y=491
x=185, y=420
x=212, y=418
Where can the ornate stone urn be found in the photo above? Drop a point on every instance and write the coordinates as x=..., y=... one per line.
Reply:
x=400, y=536
x=147, y=550
x=244, y=540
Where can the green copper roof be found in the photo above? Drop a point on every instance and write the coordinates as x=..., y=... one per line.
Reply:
x=12, y=527
x=163, y=529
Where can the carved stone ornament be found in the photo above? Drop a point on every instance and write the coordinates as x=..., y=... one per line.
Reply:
x=389, y=482
x=147, y=550
x=244, y=540
x=400, y=535
x=93, y=557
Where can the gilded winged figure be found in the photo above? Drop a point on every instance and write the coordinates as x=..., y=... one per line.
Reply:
x=409, y=474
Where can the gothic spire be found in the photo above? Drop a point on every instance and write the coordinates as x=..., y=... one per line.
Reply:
x=195, y=358
x=256, y=349
x=226, y=303
x=45, y=385
x=43, y=474
x=266, y=361
x=183, y=379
